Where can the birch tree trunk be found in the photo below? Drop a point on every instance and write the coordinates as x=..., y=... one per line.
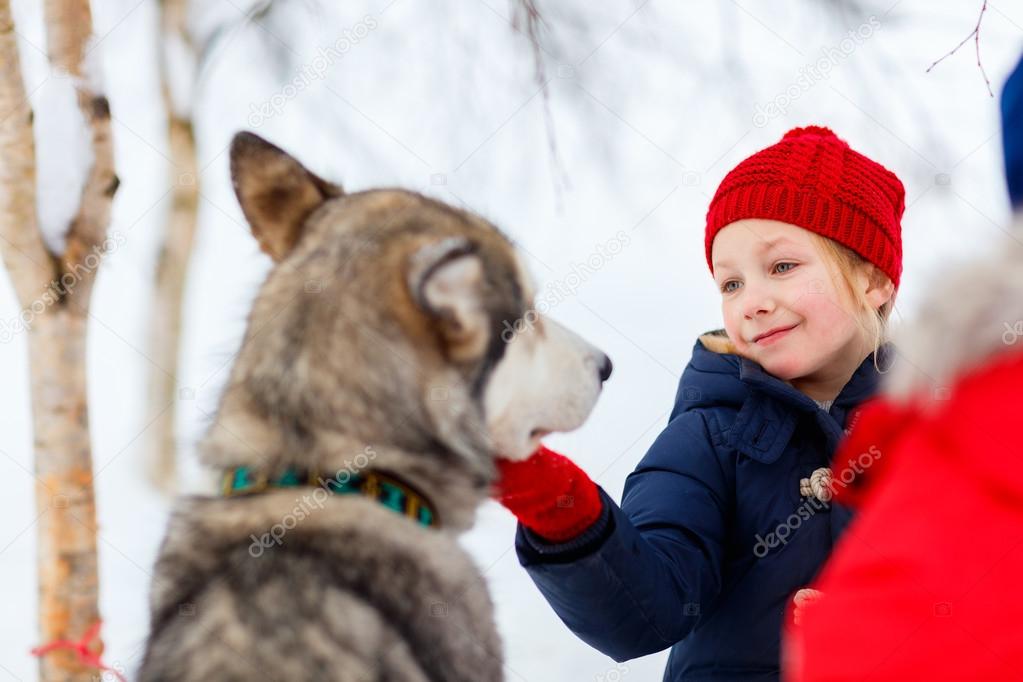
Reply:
x=53, y=292
x=172, y=263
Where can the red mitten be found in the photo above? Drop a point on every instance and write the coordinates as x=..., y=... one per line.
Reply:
x=549, y=494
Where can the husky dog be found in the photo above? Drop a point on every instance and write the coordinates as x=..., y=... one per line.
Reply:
x=391, y=354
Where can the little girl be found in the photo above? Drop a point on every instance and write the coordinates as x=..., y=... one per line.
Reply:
x=725, y=519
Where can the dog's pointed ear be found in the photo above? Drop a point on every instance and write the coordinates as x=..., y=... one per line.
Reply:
x=275, y=191
x=446, y=281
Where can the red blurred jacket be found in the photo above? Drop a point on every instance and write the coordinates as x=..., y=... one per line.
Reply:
x=926, y=582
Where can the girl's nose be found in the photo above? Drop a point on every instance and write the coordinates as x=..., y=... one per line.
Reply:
x=758, y=301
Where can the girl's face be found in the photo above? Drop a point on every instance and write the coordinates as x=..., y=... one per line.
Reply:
x=772, y=277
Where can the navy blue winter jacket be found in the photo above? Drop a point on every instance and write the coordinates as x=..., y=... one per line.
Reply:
x=712, y=538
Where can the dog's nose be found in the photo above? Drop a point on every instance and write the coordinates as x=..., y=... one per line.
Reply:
x=605, y=369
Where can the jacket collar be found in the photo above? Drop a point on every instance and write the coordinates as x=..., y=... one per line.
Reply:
x=768, y=417
x=861, y=385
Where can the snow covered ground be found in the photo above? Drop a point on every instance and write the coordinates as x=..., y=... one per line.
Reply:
x=647, y=107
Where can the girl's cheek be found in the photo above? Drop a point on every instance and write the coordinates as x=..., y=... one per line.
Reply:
x=731, y=320
x=830, y=320
x=812, y=296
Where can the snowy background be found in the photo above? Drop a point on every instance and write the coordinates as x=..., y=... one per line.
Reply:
x=647, y=106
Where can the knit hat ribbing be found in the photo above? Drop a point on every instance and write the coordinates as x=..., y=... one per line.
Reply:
x=814, y=180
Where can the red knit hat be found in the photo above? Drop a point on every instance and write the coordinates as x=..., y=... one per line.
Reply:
x=814, y=180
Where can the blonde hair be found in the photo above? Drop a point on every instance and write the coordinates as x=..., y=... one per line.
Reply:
x=873, y=322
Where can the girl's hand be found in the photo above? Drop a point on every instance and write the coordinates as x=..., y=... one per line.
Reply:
x=549, y=494
x=802, y=598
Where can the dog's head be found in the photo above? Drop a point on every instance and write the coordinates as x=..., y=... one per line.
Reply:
x=396, y=319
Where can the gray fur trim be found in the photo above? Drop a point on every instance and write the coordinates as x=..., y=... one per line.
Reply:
x=972, y=314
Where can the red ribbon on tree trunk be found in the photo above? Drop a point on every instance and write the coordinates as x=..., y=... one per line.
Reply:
x=81, y=647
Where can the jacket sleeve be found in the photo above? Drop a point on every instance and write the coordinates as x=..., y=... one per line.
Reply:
x=638, y=580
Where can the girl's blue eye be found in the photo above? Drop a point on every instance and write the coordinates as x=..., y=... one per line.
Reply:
x=727, y=290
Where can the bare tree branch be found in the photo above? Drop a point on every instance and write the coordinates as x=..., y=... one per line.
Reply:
x=975, y=34
x=29, y=262
x=165, y=321
x=526, y=19
x=68, y=28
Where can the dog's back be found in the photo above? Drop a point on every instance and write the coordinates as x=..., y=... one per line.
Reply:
x=354, y=592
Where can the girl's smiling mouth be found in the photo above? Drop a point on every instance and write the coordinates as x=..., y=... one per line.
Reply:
x=772, y=336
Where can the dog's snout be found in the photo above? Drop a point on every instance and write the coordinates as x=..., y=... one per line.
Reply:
x=605, y=368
